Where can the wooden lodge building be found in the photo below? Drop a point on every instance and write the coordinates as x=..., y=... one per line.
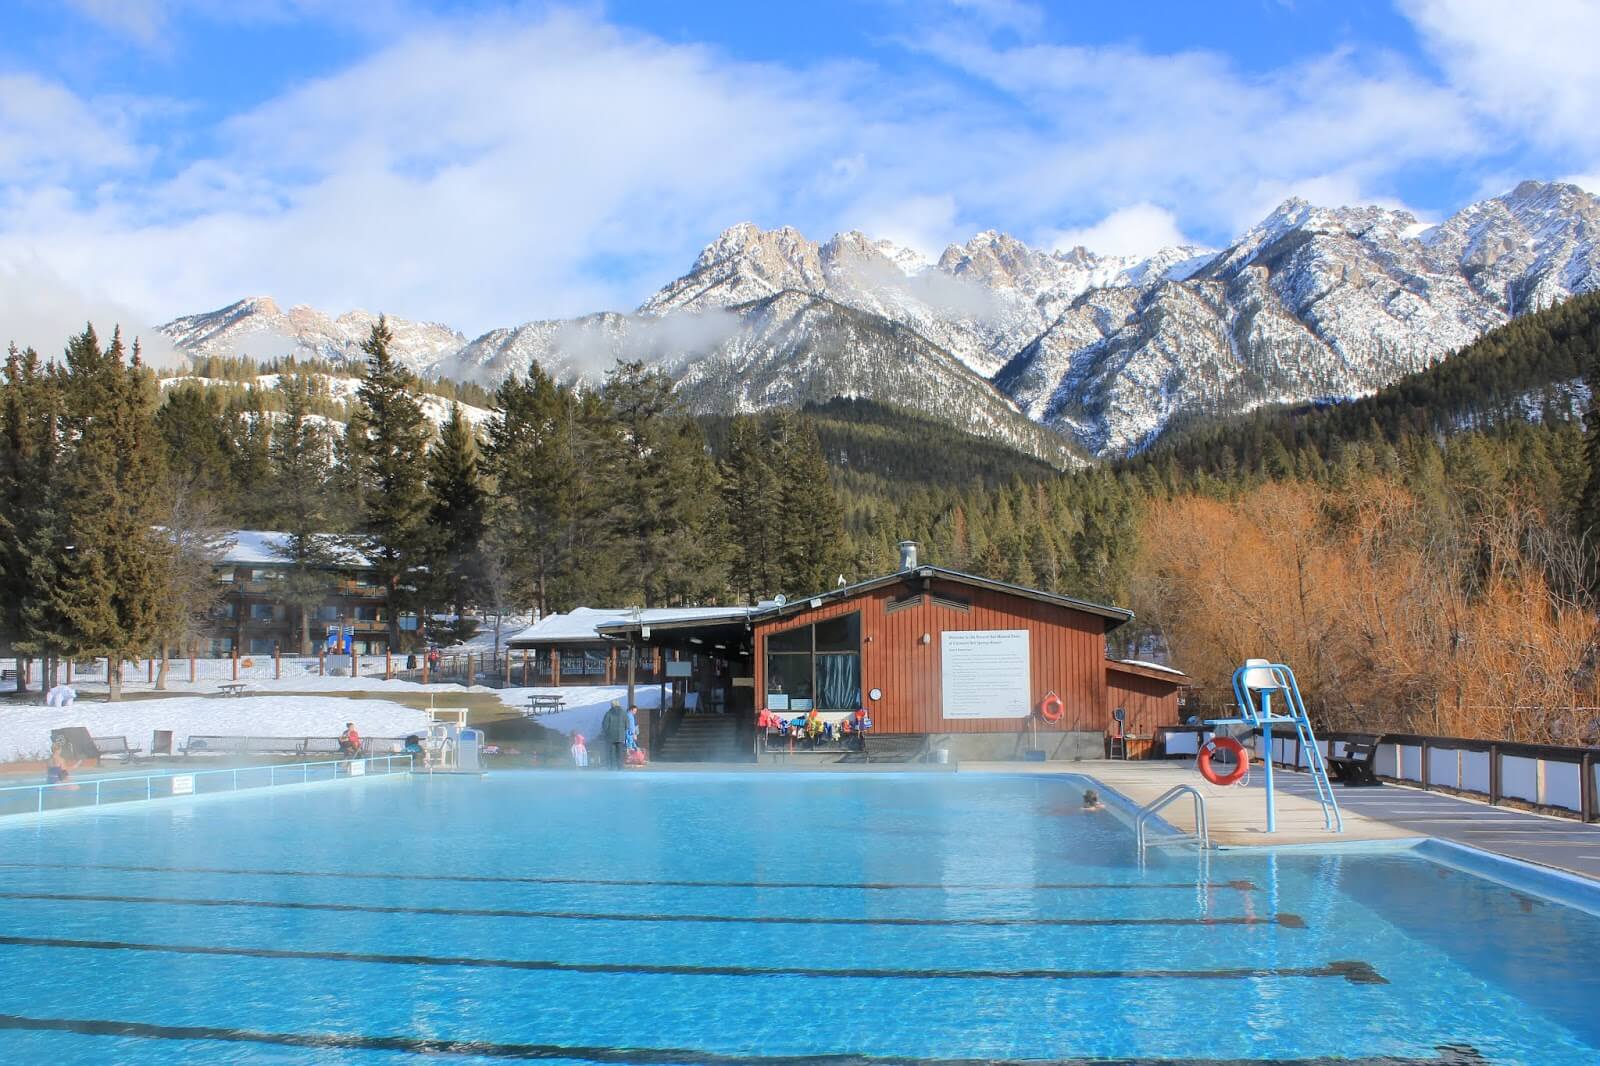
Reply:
x=958, y=661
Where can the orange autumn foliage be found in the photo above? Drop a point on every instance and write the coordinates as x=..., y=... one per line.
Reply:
x=1396, y=615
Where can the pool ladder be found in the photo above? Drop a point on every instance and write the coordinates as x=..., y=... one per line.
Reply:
x=1202, y=830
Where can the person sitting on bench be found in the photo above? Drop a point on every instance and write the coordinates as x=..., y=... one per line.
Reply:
x=350, y=741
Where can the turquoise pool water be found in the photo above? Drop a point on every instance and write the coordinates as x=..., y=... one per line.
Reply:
x=731, y=919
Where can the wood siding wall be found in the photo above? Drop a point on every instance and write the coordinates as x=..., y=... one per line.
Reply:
x=1148, y=701
x=1067, y=649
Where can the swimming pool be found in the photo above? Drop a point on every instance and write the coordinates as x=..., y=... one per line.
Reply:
x=751, y=918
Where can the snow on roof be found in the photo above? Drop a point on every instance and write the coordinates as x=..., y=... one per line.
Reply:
x=1151, y=666
x=265, y=547
x=581, y=624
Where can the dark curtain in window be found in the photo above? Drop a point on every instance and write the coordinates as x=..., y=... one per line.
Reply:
x=839, y=681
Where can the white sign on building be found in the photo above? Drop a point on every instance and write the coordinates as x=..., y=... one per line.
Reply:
x=985, y=673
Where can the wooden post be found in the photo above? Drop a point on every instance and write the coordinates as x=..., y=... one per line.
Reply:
x=355, y=661
x=1494, y=774
x=611, y=665
x=425, y=659
x=508, y=668
x=388, y=663
x=1586, y=787
x=193, y=666
x=236, y=662
x=524, y=667
x=277, y=661
x=108, y=669
x=69, y=670
x=555, y=666
x=150, y=671
x=322, y=663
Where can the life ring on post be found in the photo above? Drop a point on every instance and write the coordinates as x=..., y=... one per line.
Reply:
x=1215, y=744
x=247, y=663
x=1051, y=708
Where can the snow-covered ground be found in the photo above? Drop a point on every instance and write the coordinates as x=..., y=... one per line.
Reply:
x=25, y=731
x=268, y=709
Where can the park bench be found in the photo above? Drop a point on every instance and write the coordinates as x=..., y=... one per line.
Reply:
x=116, y=746
x=544, y=704
x=233, y=688
x=893, y=747
x=1356, y=765
x=312, y=747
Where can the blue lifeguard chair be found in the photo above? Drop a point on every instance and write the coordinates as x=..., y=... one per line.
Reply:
x=1255, y=685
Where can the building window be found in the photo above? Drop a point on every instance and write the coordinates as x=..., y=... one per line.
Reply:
x=408, y=623
x=261, y=646
x=816, y=667
x=265, y=612
x=327, y=613
x=579, y=662
x=368, y=614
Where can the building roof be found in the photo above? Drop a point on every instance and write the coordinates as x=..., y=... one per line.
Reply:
x=582, y=625
x=588, y=624
x=1114, y=616
x=1148, y=669
x=264, y=547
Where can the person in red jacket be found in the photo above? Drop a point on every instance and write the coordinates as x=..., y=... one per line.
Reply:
x=350, y=741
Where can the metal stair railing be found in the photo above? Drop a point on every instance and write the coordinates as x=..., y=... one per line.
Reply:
x=1202, y=830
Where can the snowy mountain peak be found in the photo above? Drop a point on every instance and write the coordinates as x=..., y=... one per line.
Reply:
x=1311, y=302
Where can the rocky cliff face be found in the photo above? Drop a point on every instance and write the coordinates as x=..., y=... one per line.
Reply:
x=256, y=328
x=1024, y=344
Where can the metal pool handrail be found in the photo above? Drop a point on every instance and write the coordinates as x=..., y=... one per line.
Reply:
x=274, y=771
x=1202, y=829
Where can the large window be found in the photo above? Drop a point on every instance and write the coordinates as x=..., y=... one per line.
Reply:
x=816, y=666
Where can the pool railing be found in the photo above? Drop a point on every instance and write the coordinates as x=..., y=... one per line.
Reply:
x=127, y=788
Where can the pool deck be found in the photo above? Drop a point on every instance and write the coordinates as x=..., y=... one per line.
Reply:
x=1385, y=812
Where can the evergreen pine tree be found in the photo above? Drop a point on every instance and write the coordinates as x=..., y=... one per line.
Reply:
x=301, y=456
x=811, y=537
x=389, y=439
x=30, y=446
x=108, y=595
x=456, y=517
x=752, y=496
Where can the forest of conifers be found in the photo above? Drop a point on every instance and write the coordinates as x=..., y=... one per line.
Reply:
x=1422, y=557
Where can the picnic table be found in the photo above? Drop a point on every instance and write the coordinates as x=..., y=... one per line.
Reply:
x=233, y=688
x=544, y=704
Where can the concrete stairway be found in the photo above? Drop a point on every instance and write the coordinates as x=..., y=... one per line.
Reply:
x=703, y=738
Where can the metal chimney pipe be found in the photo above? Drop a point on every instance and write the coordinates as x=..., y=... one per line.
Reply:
x=908, y=555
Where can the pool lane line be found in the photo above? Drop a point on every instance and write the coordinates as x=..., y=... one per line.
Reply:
x=1354, y=971
x=1241, y=885
x=1448, y=1055
x=1283, y=918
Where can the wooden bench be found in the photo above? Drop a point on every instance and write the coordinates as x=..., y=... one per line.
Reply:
x=1356, y=766
x=116, y=746
x=893, y=747
x=543, y=704
x=315, y=747
x=235, y=688
x=8, y=675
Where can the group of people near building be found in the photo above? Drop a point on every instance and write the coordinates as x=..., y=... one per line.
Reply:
x=619, y=736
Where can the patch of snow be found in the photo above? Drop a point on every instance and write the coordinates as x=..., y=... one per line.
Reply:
x=25, y=731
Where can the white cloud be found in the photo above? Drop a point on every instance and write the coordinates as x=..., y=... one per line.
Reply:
x=1531, y=65
x=41, y=310
x=1138, y=230
x=46, y=129
x=487, y=170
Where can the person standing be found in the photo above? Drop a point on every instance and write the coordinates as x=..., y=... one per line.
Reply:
x=613, y=731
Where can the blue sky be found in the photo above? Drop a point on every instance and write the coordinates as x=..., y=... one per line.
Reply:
x=484, y=164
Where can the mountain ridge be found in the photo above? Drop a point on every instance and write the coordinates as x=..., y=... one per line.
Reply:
x=1032, y=346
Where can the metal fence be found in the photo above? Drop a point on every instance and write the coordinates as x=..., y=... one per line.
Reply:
x=103, y=791
x=1547, y=775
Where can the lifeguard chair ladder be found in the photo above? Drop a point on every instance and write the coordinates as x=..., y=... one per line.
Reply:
x=1255, y=684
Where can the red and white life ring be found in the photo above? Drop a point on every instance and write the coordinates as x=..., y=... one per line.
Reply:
x=1215, y=744
x=1051, y=708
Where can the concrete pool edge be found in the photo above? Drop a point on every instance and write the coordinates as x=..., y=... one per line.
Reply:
x=1545, y=882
